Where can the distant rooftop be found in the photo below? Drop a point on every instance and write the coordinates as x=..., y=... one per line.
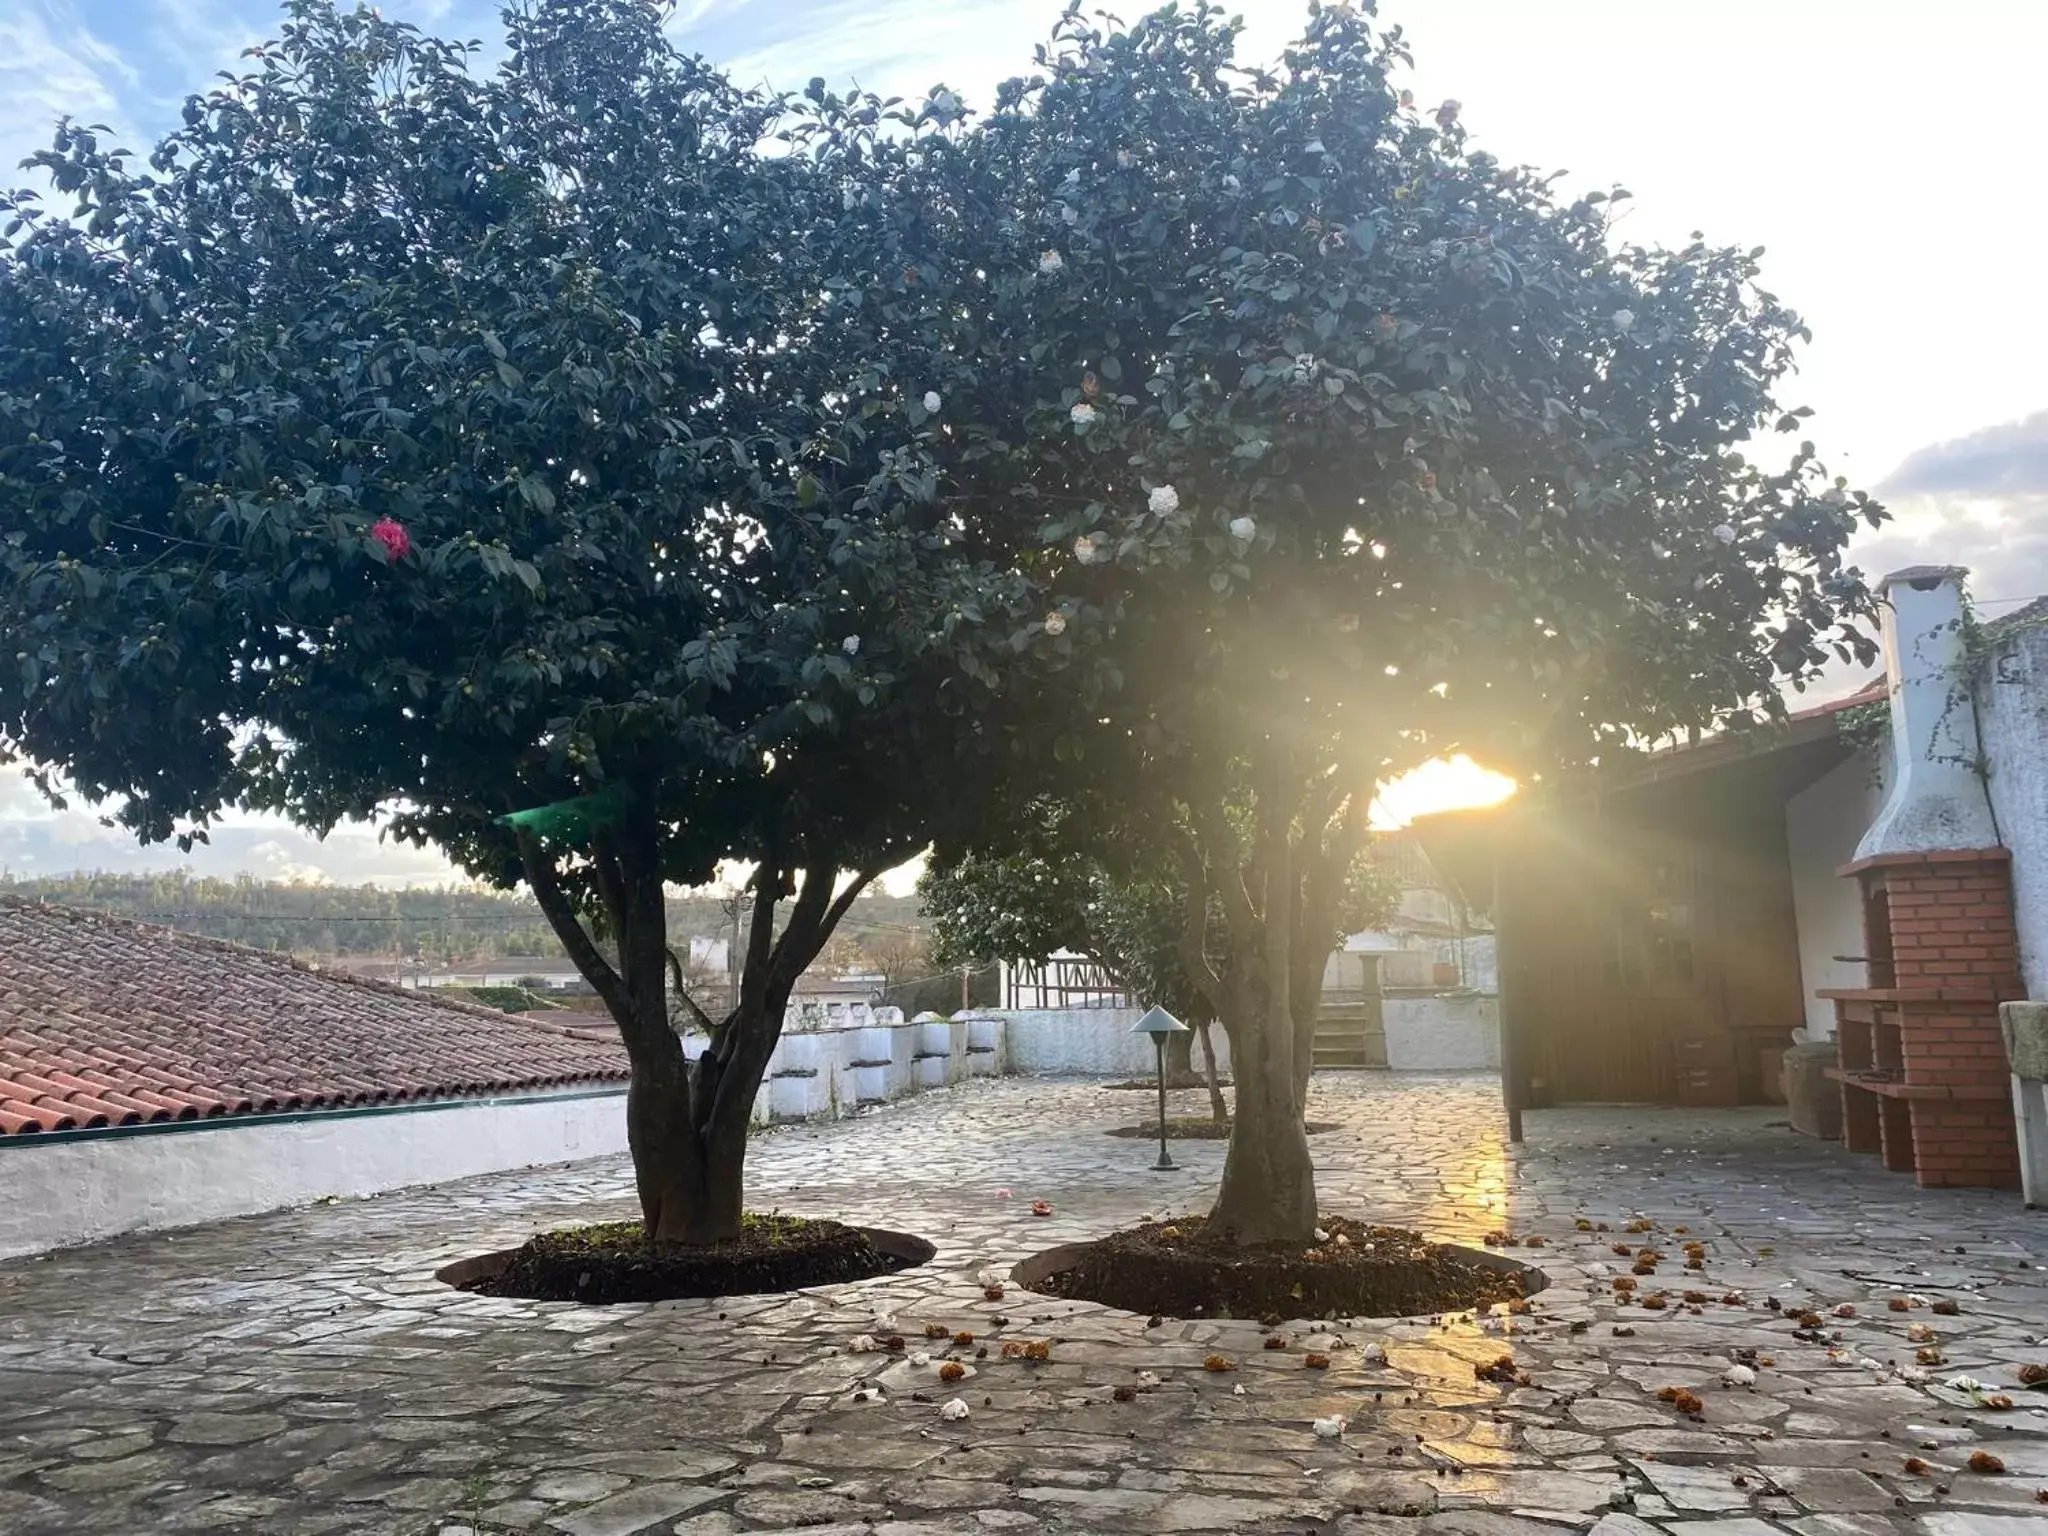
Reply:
x=109, y=1022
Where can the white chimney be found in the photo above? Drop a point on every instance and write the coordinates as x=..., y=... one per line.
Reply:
x=1937, y=800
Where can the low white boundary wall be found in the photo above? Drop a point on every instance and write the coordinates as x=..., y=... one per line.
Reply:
x=57, y=1192
x=1443, y=1032
x=826, y=1074
x=1052, y=1041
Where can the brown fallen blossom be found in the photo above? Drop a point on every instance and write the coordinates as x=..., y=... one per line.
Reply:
x=1276, y=1341
x=952, y=1370
x=937, y=1331
x=1898, y=1304
x=1985, y=1462
x=963, y=1339
x=1683, y=1400
x=1656, y=1301
x=992, y=1292
x=1916, y=1467
x=1502, y=1369
x=1219, y=1363
x=2033, y=1375
x=1946, y=1308
x=1125, y=1394
x=1315, y=1362
x=1927, y=1357
x=1624, y=1249
x=1696, y=1297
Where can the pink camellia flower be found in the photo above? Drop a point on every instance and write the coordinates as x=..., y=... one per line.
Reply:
x=392, y=535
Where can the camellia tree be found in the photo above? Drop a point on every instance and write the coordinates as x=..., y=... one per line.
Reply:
x=1349, y=446
x=545, y=462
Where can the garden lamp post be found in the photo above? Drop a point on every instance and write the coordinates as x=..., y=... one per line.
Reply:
x=1158, y=1023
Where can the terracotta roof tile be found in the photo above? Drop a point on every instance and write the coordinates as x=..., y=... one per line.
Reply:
x=106, y=1022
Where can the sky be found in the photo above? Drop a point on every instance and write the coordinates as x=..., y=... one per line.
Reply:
x=1880, y=151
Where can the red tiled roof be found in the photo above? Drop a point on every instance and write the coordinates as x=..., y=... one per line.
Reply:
x=109, y=1022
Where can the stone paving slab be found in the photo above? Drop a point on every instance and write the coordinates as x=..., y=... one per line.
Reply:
x=304, y=1373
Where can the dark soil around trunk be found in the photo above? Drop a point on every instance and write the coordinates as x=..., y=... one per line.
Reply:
x=1182, y=1269
x=1199, y=1128
x=613, y=1261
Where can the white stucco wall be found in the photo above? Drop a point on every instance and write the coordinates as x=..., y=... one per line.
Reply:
x=2012, y=724
x=1443, y=1032
x=58, y=1193
x=1823, y=824
x=1088, y=1040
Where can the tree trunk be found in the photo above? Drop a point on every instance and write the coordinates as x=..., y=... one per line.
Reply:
x=1218, y=1110
x=690, y=1180
x=1269, y=1183
x=1180, y=1061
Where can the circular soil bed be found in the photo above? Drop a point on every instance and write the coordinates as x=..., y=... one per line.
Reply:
x=1199, y=1128
x=613, y=1261
x=1181, y=1269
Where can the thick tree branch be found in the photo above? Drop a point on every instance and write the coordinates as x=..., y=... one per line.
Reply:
x=1194, y=936
x=1223, y=863
x=703, y=1019
x=611, y=889
x=555, y=905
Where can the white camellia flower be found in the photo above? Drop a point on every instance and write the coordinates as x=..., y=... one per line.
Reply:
x=931, y=402
x=954, y=1409
x=1164, y=500
x=1084, y=414
x=1739, y=1376
x=850, y=645
x=1329, y=1429
x=1055, y=623
x=1624, y=320
x=1088, y=549
x=1725, y=532
x=1835, y=496
x=1244, y=529
x=863, y=1344
x=1050, y=262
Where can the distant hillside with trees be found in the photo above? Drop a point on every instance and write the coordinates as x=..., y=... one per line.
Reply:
x=450, y=923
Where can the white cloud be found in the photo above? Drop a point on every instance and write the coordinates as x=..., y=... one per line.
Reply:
x=51, y=65
x=37, y=838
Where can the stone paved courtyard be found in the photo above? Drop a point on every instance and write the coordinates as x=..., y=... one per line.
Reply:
x=304, y=1372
